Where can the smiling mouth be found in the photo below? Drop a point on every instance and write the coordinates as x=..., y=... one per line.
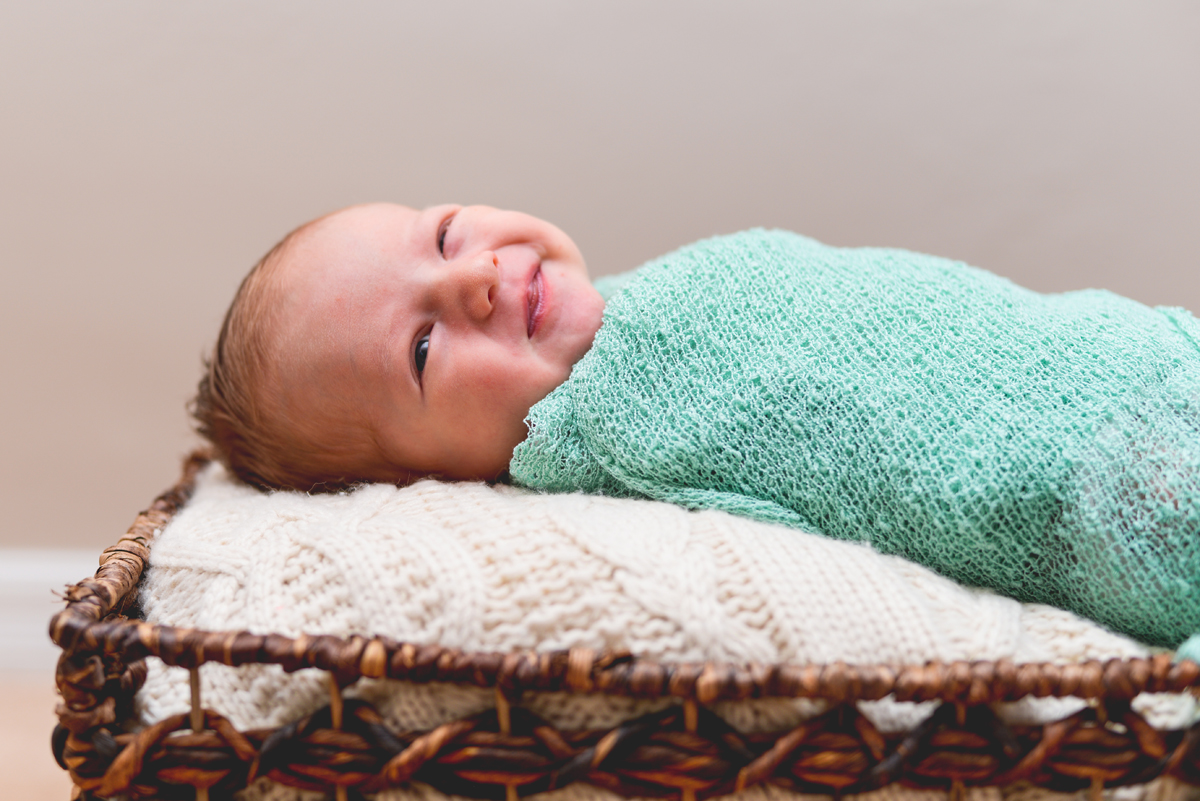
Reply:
x=536, y=299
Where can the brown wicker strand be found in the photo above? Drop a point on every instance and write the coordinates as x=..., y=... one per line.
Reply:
x=964, y=682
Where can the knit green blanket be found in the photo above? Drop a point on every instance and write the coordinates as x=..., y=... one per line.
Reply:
x=1045, y=446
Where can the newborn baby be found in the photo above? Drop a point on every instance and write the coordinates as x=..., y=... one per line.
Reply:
x=380, y=343
x=1047, y=446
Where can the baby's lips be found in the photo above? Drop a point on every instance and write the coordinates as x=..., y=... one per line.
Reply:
x=534, y=302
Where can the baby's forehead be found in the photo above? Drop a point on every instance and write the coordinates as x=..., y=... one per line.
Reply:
x=338, y=264
x=361, y=229
x=342, y=263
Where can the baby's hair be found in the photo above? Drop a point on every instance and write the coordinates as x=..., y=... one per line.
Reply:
x=228, y=407
x=238, y=406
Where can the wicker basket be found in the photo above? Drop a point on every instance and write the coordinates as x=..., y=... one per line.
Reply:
x=684, y=751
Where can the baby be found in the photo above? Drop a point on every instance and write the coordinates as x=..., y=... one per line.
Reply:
x=1046, y=446
x=381, y=343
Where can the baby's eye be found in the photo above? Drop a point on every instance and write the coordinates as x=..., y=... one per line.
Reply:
x=441, y=234
x=422, y=353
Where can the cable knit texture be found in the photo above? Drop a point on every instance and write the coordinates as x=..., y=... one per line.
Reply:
x=1045, y=446
x=500, y=569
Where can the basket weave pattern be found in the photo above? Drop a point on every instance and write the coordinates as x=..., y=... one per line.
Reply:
x=684, y=751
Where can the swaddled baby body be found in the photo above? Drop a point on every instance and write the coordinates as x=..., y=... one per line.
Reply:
x=1044, y=446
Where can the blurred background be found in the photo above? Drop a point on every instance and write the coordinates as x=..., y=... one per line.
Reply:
x=151, y=152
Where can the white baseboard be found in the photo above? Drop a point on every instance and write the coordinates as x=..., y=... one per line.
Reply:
x=29, y=580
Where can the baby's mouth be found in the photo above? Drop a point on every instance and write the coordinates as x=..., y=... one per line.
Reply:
x=537, y=301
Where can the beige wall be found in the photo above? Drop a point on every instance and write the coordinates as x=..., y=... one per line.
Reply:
x=150, y=152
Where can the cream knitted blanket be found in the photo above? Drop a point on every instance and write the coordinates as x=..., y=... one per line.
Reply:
x=500, y=569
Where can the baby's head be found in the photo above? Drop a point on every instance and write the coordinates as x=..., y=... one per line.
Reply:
x=381, y=343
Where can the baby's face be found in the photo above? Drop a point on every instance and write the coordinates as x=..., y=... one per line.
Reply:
x=435, y=331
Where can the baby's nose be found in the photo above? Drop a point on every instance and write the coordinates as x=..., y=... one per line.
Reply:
x=474, y=281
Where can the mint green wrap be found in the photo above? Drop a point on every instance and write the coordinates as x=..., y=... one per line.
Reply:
x=1045, y=446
